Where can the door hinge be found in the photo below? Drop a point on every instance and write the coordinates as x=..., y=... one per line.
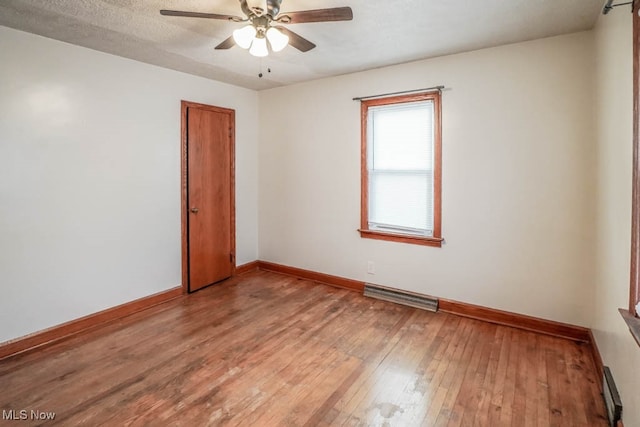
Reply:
x=231, y=258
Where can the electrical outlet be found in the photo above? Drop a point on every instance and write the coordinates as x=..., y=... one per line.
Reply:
x=371, y=267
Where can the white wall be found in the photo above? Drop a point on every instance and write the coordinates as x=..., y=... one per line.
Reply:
x=614, y=94
x=518, y=159
x=90, y=179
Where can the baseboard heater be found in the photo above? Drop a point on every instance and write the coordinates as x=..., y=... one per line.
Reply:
x=611, y=398
x=401, y=297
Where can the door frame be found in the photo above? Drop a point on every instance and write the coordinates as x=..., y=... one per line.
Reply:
x=184, y=187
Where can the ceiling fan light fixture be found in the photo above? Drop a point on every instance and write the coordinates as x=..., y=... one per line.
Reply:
x=277, y=40
x=259, y=36
x=244, y=36
x=259, y=47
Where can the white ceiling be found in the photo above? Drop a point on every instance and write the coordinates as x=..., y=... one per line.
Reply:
x=381, y=33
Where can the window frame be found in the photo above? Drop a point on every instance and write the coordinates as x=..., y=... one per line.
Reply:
x=634, y=288
x=435, y=240
x=630, y=316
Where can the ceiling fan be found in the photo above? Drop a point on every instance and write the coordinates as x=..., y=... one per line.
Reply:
x=261, y=33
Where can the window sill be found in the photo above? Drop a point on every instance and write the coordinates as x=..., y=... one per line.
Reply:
x=402, y=238
x=632, y=322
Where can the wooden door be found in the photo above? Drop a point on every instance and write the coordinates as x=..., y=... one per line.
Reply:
x=208, y=195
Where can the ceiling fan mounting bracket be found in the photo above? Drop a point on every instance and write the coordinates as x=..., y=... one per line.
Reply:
x=284, y=19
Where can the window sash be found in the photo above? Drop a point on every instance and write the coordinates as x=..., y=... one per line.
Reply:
x=415, y=215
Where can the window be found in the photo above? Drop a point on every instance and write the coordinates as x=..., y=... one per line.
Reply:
x=401, y=169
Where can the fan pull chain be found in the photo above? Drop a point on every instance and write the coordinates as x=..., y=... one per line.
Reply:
x=260, y=73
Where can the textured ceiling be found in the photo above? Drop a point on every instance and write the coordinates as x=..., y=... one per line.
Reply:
x=381, y=33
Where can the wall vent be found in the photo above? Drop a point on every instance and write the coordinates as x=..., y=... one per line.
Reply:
x=401, y=297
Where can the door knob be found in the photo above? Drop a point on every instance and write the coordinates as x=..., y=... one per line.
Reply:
x=194, y=210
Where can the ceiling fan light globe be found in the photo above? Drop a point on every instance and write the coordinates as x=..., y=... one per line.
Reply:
x=244, y=36
x=259, y=47
x=277, y=40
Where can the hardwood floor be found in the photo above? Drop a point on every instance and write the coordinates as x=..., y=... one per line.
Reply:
x=264, y=349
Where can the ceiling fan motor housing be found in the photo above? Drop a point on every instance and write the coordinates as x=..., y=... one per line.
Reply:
x=261, y=7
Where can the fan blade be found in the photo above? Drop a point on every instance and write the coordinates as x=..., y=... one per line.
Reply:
x=200, y=15
x=296, y=40
x=227, y=44
x=318, y=15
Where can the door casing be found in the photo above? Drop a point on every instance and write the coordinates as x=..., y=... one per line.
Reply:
x=185, y=105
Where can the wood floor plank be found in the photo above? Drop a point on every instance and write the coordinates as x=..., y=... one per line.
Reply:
x=507, y=387
x=464, y=367
x=481, y=417
x=527, y=383
x=424, y=345
x=396, y=375
x=588, y=403
x=357, y=402
x=519, y=415
x=267, y=349
x=542, y=385
x=466, y=406
x=446, y=363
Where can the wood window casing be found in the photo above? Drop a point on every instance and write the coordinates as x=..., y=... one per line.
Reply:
x=365, y=232
x=631, y=316
x=635, y=221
